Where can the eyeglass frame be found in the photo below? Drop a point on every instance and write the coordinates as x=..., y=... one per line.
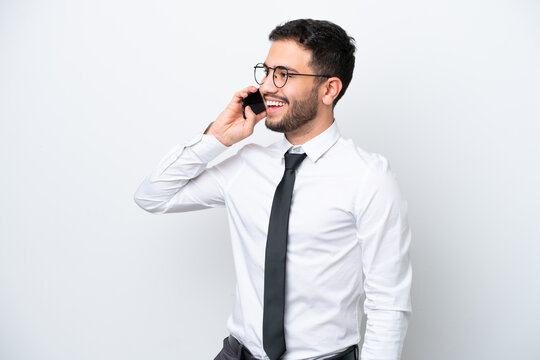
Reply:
x=263, y=65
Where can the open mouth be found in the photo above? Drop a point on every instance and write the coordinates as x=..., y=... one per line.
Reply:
x=274, y=105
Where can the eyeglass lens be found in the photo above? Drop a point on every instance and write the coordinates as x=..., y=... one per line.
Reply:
x=280, y=75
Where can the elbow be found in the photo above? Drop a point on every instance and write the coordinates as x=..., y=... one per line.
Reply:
x=148, y=205
x=141, y=202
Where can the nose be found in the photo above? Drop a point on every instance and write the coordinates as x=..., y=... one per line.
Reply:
x=268, y=86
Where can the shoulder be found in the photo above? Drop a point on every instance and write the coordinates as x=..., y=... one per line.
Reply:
x=252, y=148
x=359, y=160
x=246, y=154
x=377, y=186
x=244, y=151
x=376, y=182
x=253, y=151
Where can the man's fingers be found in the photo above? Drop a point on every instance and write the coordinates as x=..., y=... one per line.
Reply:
x=260, y=116
x=238, y=96
x=250, y=115
x=253, y=118
x=251, y=89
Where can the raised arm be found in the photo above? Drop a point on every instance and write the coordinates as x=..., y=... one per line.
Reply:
x=181, y=182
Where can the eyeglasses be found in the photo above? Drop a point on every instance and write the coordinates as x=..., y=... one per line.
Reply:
x=280, y=74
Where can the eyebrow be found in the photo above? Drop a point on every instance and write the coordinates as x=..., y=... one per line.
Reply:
x=286, y=67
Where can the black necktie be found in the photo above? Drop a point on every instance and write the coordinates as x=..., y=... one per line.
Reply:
x=274, y=264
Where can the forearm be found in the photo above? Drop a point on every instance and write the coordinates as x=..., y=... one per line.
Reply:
x=173, y=173
x=385, y=334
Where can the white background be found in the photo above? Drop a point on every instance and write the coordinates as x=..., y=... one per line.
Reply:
x=94, y=93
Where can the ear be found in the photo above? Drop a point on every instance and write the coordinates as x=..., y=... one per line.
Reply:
x=332, y=87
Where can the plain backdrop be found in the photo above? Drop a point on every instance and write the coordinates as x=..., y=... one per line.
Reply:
x=94, y=93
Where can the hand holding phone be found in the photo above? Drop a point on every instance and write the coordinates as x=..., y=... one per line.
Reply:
x=229, y=128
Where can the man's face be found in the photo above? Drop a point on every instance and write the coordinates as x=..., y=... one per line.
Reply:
x=296, y=104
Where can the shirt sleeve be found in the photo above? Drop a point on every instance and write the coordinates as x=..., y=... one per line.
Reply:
x=182, y=182
x=384, y=237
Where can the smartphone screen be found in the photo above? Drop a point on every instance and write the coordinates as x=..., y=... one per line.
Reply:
x=255, y=102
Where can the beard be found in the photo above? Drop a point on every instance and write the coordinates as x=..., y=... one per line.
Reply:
x=300, y=112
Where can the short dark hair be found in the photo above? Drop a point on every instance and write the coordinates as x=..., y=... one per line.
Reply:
x=332, y=49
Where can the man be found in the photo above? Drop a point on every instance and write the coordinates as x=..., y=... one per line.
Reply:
x=316, y=222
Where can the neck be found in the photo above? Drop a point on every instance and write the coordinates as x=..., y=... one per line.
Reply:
x=311, y=129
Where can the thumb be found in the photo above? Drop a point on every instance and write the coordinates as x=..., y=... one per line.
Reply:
x=251, y=118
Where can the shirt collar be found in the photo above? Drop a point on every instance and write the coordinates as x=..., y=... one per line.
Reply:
x=317, y=146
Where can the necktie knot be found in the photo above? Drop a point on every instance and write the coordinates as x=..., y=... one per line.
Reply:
x=292, y=161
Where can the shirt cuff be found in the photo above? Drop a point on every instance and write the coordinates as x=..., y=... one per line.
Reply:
x=206, y=147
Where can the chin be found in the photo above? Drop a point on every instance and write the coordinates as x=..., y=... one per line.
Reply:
x=274, y=125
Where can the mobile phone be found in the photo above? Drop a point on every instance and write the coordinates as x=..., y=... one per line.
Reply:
x=255, y=102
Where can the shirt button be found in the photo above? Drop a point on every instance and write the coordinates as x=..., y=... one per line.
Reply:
x=296, y=150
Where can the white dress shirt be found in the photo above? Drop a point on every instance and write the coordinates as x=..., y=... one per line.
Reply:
x=348, y=236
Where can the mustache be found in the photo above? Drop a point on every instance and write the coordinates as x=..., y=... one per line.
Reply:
x=281, y=98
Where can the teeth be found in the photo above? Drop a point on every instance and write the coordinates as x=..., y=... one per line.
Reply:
x=275, y=103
